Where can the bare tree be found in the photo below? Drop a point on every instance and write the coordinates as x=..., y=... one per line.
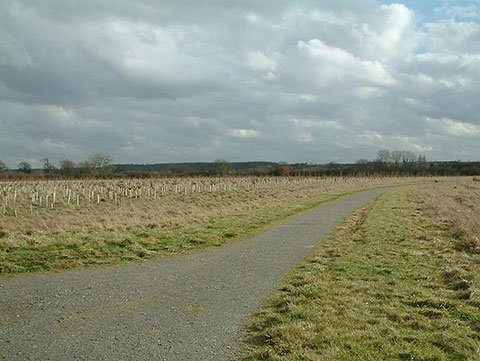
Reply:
x=101, y=162
x=67, y=166
x=383, y=156
x=396, y=157
x=362, y=164
x=408, y=158
x=422, y=161
x=47, y=166
x=25, y=167
x=86, y=168
x=362, y=161
x=222, y=166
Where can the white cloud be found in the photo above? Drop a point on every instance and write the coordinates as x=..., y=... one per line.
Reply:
x=399, y=19
x=326, y=17
x=244, y=133
x=387, y=33
x=307, y=98
x=424, y=78
x=333, y=63
x=305, y=138
x=150, y=52
x=422, y=148
x=51, y=145
x=260, y=62
x=452, y=127
x=453, y=37
x=253, y=18
x=369, y=137
x=366, y=92
x=470, y=11
x=335, y=80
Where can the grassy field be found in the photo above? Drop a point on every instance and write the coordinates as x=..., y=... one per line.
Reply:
x=67, y=224
x=398, y=280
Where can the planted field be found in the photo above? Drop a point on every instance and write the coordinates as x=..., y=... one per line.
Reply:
x=48, y=225
x=398, y=280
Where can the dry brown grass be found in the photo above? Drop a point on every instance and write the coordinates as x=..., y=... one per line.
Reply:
x=117, y=221
x=169, y=210
x=457, y=207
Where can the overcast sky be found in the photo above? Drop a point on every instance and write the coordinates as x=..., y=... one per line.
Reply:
x=172, y=81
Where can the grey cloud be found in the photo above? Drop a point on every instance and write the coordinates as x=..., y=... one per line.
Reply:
x=153, y=81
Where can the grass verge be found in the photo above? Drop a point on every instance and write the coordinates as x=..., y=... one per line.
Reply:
x=387, y=284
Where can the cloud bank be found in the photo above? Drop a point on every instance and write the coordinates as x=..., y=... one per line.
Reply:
x=169, y=81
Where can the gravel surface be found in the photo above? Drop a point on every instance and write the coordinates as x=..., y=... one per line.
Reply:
x=181, y=308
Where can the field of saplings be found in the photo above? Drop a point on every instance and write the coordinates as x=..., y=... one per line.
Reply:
x=20, y=198
x=47, y=224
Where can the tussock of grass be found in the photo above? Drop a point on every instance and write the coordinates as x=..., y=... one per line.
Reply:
x=388, y=284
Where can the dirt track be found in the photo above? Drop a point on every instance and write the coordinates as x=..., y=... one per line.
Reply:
x=182, y=308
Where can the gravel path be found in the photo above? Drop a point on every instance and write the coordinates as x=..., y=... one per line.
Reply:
x=182, y=308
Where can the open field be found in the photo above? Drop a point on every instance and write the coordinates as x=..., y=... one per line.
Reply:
x=63, y=224
x=398, y=280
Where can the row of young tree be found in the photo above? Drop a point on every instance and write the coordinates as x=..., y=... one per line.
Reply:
x=400, y=158
x=391, y=163
x=386, y=163
x=99, y=164
x=96, y=164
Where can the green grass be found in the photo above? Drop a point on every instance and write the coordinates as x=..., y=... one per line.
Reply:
x=387, y=284
x=100, y=247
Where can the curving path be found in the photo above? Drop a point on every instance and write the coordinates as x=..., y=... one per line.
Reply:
x=182, y=308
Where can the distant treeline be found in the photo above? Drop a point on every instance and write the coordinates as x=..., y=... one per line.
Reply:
x=387, y=163
x=221, y=167
x=454, y=168
x=364, y=168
